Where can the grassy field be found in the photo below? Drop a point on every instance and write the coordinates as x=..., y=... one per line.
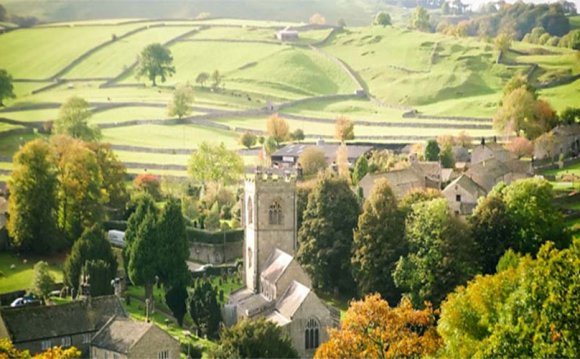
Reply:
x=21, y=276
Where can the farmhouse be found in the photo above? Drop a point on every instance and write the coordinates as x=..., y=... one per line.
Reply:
x=288, y=155
x=124, y=338
x=561, y=140
x=287, y=34
x=462, y=195
x=276, y=286
x=73, y=324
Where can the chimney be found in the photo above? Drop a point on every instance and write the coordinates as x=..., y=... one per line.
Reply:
x=483, y=141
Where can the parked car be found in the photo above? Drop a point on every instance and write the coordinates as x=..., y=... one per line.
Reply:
x=24, y=301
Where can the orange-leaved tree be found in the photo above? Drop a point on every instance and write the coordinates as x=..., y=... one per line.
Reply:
x=372, y=329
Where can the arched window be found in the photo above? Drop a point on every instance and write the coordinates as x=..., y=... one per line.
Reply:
x=275, y=213
x=312, y=334
x=250, y=213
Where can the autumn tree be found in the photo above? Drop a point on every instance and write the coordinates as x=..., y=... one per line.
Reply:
x=73, y=120
x=440, y=253
x=202, y=78
x=6, y=87
x=155, y=61
x=258, y=338
x=248, y=140
x=317, y=19
x=342, y=163
x=180, y=106
x=42, y=280
x=325, y=239
x=432, y=151
x=378, y=243
x=92, y=246
x=372, y=329
x=114, y=173
x=521, y=147
x=503, y=42
x=382, y=19
x=277, y=128
x=517, y=81
x=312, y=161
x=344, y=129
x=215, y=163
x=149, y=183
x=8, y=351
x=33, y=199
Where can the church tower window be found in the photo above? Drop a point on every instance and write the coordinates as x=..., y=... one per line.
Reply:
x=275, y=213
x=249, y=258
x=250, y=214
x=312, y=334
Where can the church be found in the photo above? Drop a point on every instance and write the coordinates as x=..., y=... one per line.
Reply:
x=276, y=286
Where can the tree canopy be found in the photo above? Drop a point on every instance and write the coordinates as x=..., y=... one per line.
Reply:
x=312, y=161
x=215, y=163
x=73, y=120
x=278, y=129
x=344, y=129
x=420, y=19
x=6, y=87
x=180, y=106
x=432, y=151
x=155, y=61
x=382, y=19
x=42, y=281
x=204, y=308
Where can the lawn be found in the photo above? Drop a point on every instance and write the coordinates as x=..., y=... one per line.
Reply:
x=39, y=53
x=21, y=276
x=31, y=115
x=124, y=114
x=9, y=145
x=6, y=127
x=111, y=60
x=574, y=170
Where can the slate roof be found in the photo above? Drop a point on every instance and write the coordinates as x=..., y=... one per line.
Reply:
x=488, y=173
x=276, y=265
x=294, y=150
x=401, y=181
x=468, y=184
x=35, y=323
x=292, y=299
x=121, y=334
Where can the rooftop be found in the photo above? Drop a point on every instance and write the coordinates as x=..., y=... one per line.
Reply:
x=120, y=334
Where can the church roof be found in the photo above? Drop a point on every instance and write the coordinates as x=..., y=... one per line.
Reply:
x=254, y=305
x=278, y=318
x=276, y=265
x=292, y=299
x=121, y=334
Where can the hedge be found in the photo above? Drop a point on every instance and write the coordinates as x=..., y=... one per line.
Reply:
x=202, y=236
x=116, y=225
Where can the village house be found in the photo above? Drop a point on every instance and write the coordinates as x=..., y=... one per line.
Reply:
x=288, y=156
x=37, y=328
x=287, y=34
x=123, y=338
x=462, y=195
x=563, y=140
x=276, y=286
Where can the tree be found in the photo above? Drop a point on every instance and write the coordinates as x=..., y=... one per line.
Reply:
x=341, y=23
x=155, y=61
x=503, y=42
x=312, y=161
x=204, y=308
x=277, y=128
x=248, y=140
x=33, y=203
x=570, y=116
x=215, y=163
x=176, y=299
x=8, y=351
x=440, y=253
x=149, y=183
x=372, y=329
x=382, y=19
x=517, y=81
x=6, y=88
x=42, y=281
x=342, y=162
x=72, y=120
x=297, y=135
x=317, y=19
x=361, y=168
x=521, y=147
x=270, y=146
x=144, y=204
x=415, y=196
x=432, y=151
x=446, y=157
x=420, y=19
x=217, y=78
x=258, y=338
x=173, y=246
x=325, y=239
x=93, y=246
x=202, y=78
x=182, y=100
x=142, y=268
x=445, y=9
x=344, y=129
x=378, y=243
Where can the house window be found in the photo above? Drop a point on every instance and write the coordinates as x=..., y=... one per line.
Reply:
x=86, y=338
x=275, y=213
x=163, y=355
x=65, y=342
x=312, y=334
x=457, y=198
x=250, y=210
x=46, y=344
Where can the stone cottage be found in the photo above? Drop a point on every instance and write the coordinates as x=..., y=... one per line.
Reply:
x=276, y=286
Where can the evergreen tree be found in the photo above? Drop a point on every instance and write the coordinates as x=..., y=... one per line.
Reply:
x=42, y=281
x=432, y=151
x=204, y=308
x=142, y=268
x=447, y=159
x=173, y=246
x=32, y=203
x=378, y=243
x=100, y=275
x=361, y=168
x=176, y=299
x=325, y=238
x=144, y=205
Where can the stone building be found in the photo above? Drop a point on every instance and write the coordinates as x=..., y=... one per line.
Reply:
x=122, y=338
x=276, y=286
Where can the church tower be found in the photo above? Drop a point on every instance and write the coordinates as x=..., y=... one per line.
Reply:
x=269, y=221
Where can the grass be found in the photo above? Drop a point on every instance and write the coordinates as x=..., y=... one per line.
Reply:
x=574, y=170
x=21, y=276
x=31, y=115
x=574, y=22
x=9, y=145
x=6, y=127
x=169, y=136
x=123, y=114
x=39, y=53
x=111, y=60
